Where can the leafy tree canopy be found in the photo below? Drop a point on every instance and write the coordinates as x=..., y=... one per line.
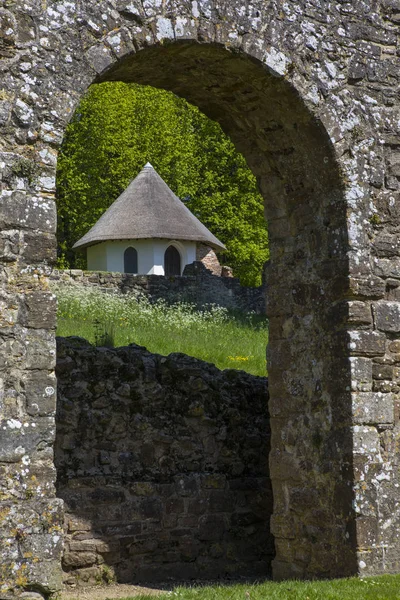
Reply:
x=116, y=129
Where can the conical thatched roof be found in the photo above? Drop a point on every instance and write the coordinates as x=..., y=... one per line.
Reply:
x=148, y=208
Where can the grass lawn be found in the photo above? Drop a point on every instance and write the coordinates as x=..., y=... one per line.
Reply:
x=229, y=341
x=386, y=587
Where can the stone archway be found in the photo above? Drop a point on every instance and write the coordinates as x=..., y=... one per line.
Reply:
x=288, y=149
x=289, y=85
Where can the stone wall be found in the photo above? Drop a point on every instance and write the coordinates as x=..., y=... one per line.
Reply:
x=308, y=92
x=196, y=285
x=163, y=466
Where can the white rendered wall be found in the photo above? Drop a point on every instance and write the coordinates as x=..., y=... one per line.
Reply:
x=109, y=256
x=187, y=250
x=191, y=248
x=115, y=255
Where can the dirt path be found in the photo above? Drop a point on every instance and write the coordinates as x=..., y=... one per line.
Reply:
x=109, y=592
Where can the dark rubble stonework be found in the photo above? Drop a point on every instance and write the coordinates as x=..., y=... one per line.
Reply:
x=162, y=463
x=308, y=90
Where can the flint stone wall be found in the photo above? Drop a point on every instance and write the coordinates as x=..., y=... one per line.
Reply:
x=162, y=463
x=197, y=285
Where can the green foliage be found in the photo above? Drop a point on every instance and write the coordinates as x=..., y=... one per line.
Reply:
x=117, y=129
x=214, y=335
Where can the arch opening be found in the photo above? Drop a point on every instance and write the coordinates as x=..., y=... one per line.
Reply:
x=289, y=151
x=131, y=260
x=172, y=261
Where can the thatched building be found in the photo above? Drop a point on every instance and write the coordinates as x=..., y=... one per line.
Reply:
x=148, y=230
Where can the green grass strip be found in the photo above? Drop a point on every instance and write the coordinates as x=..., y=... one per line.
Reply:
x=385, y=587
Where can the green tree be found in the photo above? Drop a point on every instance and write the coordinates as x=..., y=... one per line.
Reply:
x=116, y=129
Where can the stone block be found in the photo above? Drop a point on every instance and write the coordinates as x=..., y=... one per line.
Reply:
x=40, y=393
x=10, y=245
x=78, y=524
x=395, y=347
x=367, y=343
x=42, y=544
x=387, y=245
x=47, y=572
x=74, y=560
x=361, y=374
x=89, y=576
x=367, y=287
x=387, y=316
x=20, y=210
x=385, y=267
x=39, y=248
x=359, y=313
x=31, y=596
x=394, y=166
x=89, y=545
x=366, y=441
x=38, y=310
x=5, y=112
x=99, y=57
x=372, y=408
x=40, y=349
x=13, y=445
x=382, y=371
x=367, y=532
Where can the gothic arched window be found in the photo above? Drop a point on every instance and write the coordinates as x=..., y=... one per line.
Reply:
x=130, y=260
x=172, y=261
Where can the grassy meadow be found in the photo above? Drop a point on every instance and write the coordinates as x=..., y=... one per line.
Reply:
x=230, y=341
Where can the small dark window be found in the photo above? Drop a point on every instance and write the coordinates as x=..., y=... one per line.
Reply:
x=130, y=260
x=172, y=261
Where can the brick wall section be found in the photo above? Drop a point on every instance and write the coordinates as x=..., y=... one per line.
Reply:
x=196, y=285
x=163, y=466
x=207, y=256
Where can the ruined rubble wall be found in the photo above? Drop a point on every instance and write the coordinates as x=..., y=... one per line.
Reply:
x=163, y=466
x=197, y=285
